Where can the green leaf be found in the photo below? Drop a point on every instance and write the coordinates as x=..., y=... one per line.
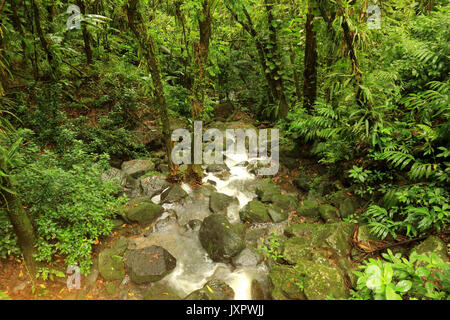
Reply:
x=391, y=295
x=403, y=286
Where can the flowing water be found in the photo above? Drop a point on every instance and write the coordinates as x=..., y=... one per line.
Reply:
x=194, y=267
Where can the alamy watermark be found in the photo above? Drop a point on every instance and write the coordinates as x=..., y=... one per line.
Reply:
x=374, y=19
x=74, y=277
x=74, y=21
x=260, y=146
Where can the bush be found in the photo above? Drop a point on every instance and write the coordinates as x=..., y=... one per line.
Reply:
x=397, y=278
x=70, y=205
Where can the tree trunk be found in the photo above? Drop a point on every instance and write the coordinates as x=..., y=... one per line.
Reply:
x=147, y=45
x=40, y=33
x=86, y=36
x=22, y=227
x=276, y=72
x=200, y=50
x=310, y=73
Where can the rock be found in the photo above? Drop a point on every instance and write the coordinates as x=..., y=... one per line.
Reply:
x=285, y=283
x=211, y=182
x=296, y=249
x=254, y=235
x=120, y=246
x=117, y=224
x=219, y=239
x=114, y=173
x=287, y=202
x=173, y=194
x=432, y=245
x=149, y=264
x=256, y=291
x=193, y=225
x=302, y=183
x=137, y=168
x=142, y=211
x=276, y=213
x=160, y=291
x=328, y=213
x=153, y=185
x=333, y=235
x=212, y=290
x=110, y=265
x=217, y=168
x=247, y=258
x=219, y=202
x=321, y=281
x=308, y=208
x=92, y=277
x=348, y=207
x=254, y=212
x=266, y=190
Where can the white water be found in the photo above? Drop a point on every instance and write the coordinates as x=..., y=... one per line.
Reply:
x=194, y=267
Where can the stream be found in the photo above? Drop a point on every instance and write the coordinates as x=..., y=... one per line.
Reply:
x=194, y=267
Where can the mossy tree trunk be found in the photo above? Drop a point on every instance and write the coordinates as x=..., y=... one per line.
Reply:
x=22, y=225
x=147, y=45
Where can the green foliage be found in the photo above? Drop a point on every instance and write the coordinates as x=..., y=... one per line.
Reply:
x=70, y=205
x=270, y=247
x=415, y=210
x=398, y=278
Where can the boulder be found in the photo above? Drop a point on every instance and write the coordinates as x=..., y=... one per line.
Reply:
x=266, y=190
x=153, y=185
x=159, y=291
x=173, y=194
x=212, y=290
x=248, y=257
x=110, y=265
x=328, y=213
x=287, y=202
x=432, y=245
x=214, y=168
x=137, y=168
x=114, y=174
x=219, y=202
x=219, y=239
x=276, y=213
x=255, y=212
x=322, y=281
x=285, y=283
x=142, y=210
x=308, y=208
x=149, y=264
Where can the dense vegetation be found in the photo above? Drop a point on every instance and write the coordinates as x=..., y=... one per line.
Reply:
x=371, y=105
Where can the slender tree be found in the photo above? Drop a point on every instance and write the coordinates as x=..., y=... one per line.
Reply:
x=147, y=45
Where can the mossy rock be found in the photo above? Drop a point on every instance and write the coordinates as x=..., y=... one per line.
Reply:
x=432, y=245
x=284, y=282
x=276, y=213
x=110, y=265
x=212, y=290
x=308, y=208
x=219, y=202
x=329, y=213
x=321, y=281
x=255, y=212
x=219, y=239
x=287, y=202
x=142, y=212
x=266, y=190
x=159, y=291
